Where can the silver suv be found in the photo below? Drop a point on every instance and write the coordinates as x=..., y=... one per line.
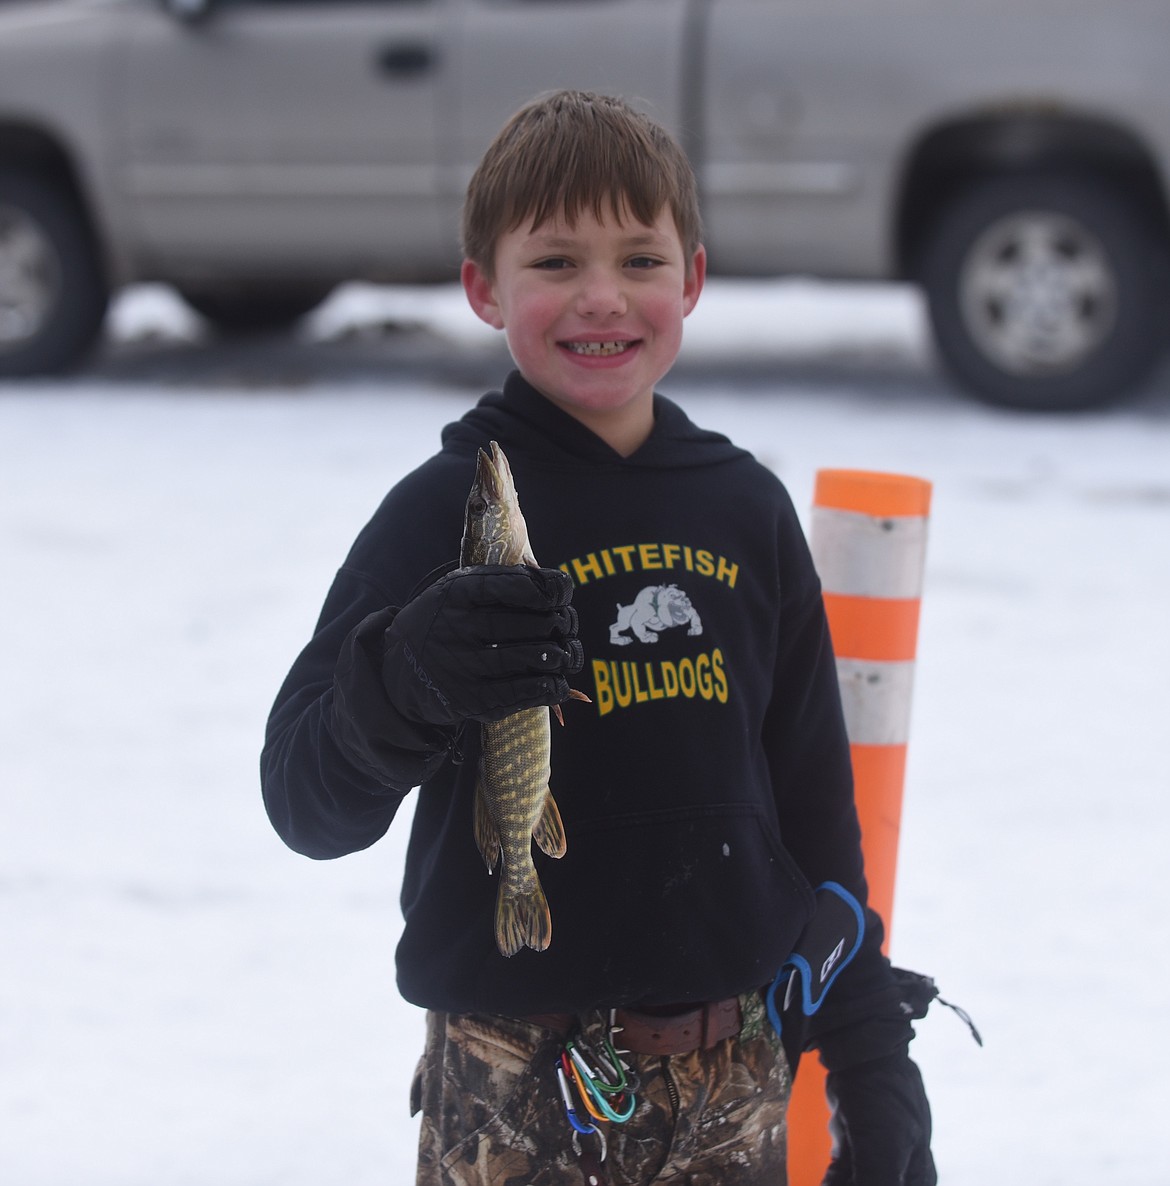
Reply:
x=1011, y=156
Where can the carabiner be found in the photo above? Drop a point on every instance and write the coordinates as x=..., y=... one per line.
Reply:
x=571, y=1113
x=609, y=1073
x=600, y=1137
x=593, y=1094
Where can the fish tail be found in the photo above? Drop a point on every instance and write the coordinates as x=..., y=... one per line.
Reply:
x=549, y=832
x=522, y=918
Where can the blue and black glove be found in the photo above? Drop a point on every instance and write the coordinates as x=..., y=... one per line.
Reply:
x=880, y=1122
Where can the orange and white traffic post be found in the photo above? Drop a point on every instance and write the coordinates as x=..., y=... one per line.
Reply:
x=868, y=539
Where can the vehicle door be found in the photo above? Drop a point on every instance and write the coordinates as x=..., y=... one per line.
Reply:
x=505, y=52
x=290, y=137
x=810, y=107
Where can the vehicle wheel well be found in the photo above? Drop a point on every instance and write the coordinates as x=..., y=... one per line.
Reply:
x=29, y=148
x=955, y=154
x=55, y=287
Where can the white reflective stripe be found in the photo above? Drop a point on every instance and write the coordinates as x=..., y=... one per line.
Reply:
x=876, y=698
x=862, y=555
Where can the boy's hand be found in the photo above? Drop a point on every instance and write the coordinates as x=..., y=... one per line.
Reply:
x=481, y=643
x=880, y=1124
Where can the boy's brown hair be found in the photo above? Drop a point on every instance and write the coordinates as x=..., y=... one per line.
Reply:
x=571, y=151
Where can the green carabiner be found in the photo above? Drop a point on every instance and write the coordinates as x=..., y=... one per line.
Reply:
x=608, y=1073
x=599, y=1089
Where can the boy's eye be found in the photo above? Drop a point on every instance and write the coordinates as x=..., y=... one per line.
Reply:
x=643, y=261
x=554, y=264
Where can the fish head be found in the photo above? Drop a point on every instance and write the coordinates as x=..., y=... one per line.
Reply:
x=494, y=531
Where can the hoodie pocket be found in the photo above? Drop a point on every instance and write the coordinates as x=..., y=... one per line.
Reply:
x=689, y=903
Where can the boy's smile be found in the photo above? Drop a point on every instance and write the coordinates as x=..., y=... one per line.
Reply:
x=593, y=313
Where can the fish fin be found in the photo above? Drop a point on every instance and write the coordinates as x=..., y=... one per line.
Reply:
x=522, y=919
x=549, y=832
x=487, y=837
x=573, y=695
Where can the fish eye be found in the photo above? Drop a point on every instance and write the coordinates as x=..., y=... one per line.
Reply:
x=477, y=504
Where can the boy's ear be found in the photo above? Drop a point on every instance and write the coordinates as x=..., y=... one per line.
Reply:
x=481, y=294
x=695, y=278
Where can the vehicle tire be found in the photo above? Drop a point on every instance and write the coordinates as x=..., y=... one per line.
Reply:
x=1046, y=291
x=243, y=309
x=53, y=292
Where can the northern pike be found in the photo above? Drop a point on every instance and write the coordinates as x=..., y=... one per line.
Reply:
x=513, y=803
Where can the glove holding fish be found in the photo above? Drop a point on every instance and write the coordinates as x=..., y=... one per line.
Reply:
x=481, y=643
x=513, y=803
x=494, y=641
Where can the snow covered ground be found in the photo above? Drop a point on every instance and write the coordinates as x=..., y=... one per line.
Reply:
x=183, y=1002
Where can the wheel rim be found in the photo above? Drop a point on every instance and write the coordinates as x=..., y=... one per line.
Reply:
x=30, y=277
x=1038, y=293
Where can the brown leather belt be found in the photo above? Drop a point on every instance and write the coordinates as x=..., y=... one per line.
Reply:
x=696, y=1028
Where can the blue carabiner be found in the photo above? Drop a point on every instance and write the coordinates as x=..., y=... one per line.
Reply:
x=570, y=1111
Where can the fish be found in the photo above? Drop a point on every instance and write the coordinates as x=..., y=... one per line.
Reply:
x=513, y=803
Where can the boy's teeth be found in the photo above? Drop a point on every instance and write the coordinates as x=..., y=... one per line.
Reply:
x=598, y=348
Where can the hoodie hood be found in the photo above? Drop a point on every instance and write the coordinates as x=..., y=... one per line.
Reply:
x=527, y=422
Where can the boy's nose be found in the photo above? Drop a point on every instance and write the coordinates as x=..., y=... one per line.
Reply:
x=601, y=295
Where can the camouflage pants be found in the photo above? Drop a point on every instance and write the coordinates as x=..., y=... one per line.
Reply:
x=492, y=1113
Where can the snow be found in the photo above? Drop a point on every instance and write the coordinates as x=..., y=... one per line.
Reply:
x=184, y=1001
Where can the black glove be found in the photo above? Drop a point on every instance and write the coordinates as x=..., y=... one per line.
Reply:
x=880, y=1115
x=479, y=643
x=880, y=1124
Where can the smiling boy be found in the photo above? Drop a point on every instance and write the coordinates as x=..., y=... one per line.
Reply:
x=593, y=312
x=703, y=794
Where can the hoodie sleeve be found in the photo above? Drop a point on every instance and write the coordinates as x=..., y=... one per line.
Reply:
x=322, y=798
x=332, y=781
x=808, y=752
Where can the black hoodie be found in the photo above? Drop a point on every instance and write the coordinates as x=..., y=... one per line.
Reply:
x=705, y=789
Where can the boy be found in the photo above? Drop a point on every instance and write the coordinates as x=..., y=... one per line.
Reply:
x=703, y=792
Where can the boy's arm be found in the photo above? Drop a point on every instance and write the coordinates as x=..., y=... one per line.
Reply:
x=372, y=709
x=321, y=800
x=881, y=1117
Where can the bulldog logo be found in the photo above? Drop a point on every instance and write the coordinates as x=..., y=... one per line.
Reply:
x=656, y=608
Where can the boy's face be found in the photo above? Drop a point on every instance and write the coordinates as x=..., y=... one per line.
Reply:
x=593, y=314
